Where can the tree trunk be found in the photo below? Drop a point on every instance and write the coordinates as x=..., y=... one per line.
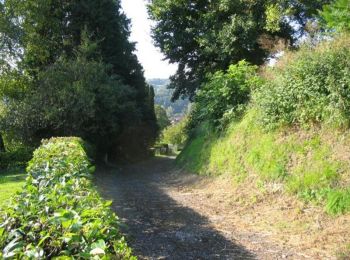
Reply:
x=2, y=145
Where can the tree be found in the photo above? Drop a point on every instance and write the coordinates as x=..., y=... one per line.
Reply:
x=207, y=35
x=162, y=118
x=79, y=74
x=225, y=95
x=73, y=97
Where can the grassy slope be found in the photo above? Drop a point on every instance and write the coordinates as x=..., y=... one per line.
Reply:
x=312, y=164
x=11, y=182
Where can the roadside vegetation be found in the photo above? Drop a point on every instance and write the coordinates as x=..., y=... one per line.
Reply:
x=59, y=213
x=69, y=69
x=286, y=124
x=66, y=69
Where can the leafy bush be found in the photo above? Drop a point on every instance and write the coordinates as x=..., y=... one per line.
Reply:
x=225, y=95
x=176, y=134
x=16, y=158
x=59, y=213
x=337, y=15
x=309, y=86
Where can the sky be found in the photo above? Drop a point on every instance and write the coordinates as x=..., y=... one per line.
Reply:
x=149, y=56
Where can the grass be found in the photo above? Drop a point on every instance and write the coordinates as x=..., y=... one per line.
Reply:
x=302, y=160
x=11, y=181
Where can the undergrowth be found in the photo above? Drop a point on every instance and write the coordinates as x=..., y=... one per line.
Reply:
x=300, y=159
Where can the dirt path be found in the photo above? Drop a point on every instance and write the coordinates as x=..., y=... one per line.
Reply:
x=167, y=218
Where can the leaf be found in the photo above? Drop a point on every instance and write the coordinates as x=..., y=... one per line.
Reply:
x=97, y=251
x=43, y=240
x=99, y=244
x=2, y=230
x=108, y=203
x=12, y=248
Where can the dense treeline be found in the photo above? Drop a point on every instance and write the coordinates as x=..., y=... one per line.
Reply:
x=67, y=68
x=218, y=66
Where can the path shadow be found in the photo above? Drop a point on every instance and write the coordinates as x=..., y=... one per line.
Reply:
x=157, y=226
x=10, y=177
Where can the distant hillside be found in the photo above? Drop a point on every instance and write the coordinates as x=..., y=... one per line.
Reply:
x=175, y=110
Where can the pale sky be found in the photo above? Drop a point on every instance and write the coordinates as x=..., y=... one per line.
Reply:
x=149, y=56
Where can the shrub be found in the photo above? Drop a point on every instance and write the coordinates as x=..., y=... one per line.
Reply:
x=313, y=87
x=225, y=94
x=16, y=158
x=176, y=134
x=59, y=213
x=336, y=15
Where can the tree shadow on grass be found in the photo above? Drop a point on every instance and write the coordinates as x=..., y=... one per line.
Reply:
x=8, y=176
x=157, y=226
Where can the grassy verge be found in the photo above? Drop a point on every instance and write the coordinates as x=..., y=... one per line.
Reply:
x=312, y=164
x=11, y=182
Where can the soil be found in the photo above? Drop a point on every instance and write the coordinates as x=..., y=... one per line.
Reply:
x=169, y=214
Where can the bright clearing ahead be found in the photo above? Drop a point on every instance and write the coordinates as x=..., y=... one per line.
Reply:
x=149, y=56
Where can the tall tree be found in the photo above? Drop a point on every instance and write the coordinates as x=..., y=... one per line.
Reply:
x=207, y=35
x=76, y=56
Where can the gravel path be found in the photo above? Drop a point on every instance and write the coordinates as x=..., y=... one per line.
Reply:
x=161, y=216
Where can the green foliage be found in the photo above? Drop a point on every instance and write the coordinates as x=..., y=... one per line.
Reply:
x=338, y=201
x=16, y=158
x=309, y=86
x=337, y=15
x=162, y=118
x=209, y=35
x=300, y=162
x=163, y=97
x=16, y=154
x=197, y=149
x=72, y=97
x=225, y=95
x=176, y=134
x=312, y=176
x=59, y=213
x=76, y=74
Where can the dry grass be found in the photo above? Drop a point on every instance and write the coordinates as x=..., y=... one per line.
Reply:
x=304, y=230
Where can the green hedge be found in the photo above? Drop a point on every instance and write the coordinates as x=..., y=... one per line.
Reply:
x=59, y=214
